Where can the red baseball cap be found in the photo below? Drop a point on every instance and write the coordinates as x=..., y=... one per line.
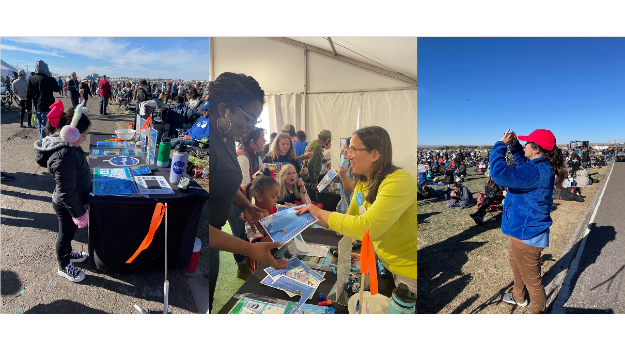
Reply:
x=542, y=137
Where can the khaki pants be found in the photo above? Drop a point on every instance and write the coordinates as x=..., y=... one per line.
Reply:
x=525, y=264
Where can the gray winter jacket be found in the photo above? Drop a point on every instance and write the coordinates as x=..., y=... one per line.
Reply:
x=19, y=88
x=68, y=165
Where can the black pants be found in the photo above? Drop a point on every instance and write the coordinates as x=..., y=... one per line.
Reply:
x=23, y=112
x=67, y=229
x=575, y=167
x=487, y=203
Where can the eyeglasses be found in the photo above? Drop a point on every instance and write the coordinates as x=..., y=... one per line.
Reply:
x=251, y=119
x=352, y=151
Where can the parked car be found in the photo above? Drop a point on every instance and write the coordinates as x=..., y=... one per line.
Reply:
x=620, y=155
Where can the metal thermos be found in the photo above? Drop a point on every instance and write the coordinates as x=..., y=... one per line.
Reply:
x=403, y=301
x=163, y=152
x=178, y=163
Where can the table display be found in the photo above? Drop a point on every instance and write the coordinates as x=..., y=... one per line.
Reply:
x=119, y=219
x=313, y=236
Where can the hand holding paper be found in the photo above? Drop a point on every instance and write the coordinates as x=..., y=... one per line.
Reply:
x=261, y=252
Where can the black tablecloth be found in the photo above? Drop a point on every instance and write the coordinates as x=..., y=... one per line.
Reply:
x=118, y=225
x=310, y=235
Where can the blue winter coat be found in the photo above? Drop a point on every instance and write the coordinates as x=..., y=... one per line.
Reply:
x=527, y=207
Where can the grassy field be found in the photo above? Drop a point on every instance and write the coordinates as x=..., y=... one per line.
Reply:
x=464, y=268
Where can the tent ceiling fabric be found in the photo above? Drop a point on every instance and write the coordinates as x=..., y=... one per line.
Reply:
x=397, y=54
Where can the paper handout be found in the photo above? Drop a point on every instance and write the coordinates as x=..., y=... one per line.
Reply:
x=326, y=180
x=284, y=219
x=298, y=271
x=288, y=227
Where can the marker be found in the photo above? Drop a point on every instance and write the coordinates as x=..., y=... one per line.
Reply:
x=324, y=303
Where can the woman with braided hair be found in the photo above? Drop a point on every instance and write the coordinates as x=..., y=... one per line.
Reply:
x=236, y=101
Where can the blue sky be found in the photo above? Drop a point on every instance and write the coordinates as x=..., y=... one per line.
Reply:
x=573, y=86
x=174, y=58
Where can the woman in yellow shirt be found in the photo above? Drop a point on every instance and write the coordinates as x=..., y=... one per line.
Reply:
x=385, y=198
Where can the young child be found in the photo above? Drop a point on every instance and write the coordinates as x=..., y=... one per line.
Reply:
x=265, y=190
x=81, y=97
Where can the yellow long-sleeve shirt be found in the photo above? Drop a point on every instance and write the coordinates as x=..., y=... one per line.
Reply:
x=392, y=220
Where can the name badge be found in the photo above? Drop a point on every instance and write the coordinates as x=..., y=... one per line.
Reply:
x=360, y=200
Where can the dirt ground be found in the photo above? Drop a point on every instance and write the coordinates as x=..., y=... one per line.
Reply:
x=464, y=268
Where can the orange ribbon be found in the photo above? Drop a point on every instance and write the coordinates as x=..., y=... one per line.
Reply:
x=157, y=217
x=367, y=263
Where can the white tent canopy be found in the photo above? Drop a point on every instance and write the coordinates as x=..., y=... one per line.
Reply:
x=369, y=81
x=8, y=69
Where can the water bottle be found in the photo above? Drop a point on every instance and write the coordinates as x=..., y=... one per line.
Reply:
x=178, y=163
x=403, y=301
x=163, y=152
x=342, y=206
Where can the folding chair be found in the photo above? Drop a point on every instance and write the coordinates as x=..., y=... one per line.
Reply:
x=494, y=208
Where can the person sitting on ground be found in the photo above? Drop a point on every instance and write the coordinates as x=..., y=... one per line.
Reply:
x=460, y=196
x=292, y=187
x=582, y=177
x=426, y=192
x=492, y=193
x=571, y=194
x=265, y=190
x=449, y=177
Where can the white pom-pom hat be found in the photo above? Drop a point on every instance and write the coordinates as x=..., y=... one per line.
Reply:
x=69, y=132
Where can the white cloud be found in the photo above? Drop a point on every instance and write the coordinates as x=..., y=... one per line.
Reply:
x=124, y=60
x=15, y=48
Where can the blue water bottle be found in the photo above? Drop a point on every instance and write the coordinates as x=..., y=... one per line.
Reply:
x=403, y=301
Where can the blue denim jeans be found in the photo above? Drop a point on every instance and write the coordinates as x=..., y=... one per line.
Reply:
x=104, y=101
x=41, y=122
x=237, y=225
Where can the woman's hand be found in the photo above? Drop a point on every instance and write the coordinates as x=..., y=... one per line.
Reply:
x=307, y=155
x=304, y=171
x=342, y=172
x=187, y=137
x=261, y=252
x=315, y=211
x=252, y=215
x=300, y=184
x=508, y=138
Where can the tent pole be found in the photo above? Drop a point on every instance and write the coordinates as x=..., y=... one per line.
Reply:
x=305, y=99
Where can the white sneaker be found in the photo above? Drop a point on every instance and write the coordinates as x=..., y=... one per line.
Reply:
x=508, y=298
x=72, y=273
x=76, y=256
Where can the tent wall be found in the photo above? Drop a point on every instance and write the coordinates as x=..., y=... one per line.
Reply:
x=334, y=98
x=342, y=114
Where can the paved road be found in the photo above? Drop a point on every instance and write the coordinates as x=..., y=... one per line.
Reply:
x=29, y=231
x=596, y=281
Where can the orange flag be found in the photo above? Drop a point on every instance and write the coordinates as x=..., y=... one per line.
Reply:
x=367, y=263
x=146, y=124
x=157, y=217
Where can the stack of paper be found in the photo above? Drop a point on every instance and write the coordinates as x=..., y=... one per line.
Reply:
x=295, y=279
x=286, y=225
